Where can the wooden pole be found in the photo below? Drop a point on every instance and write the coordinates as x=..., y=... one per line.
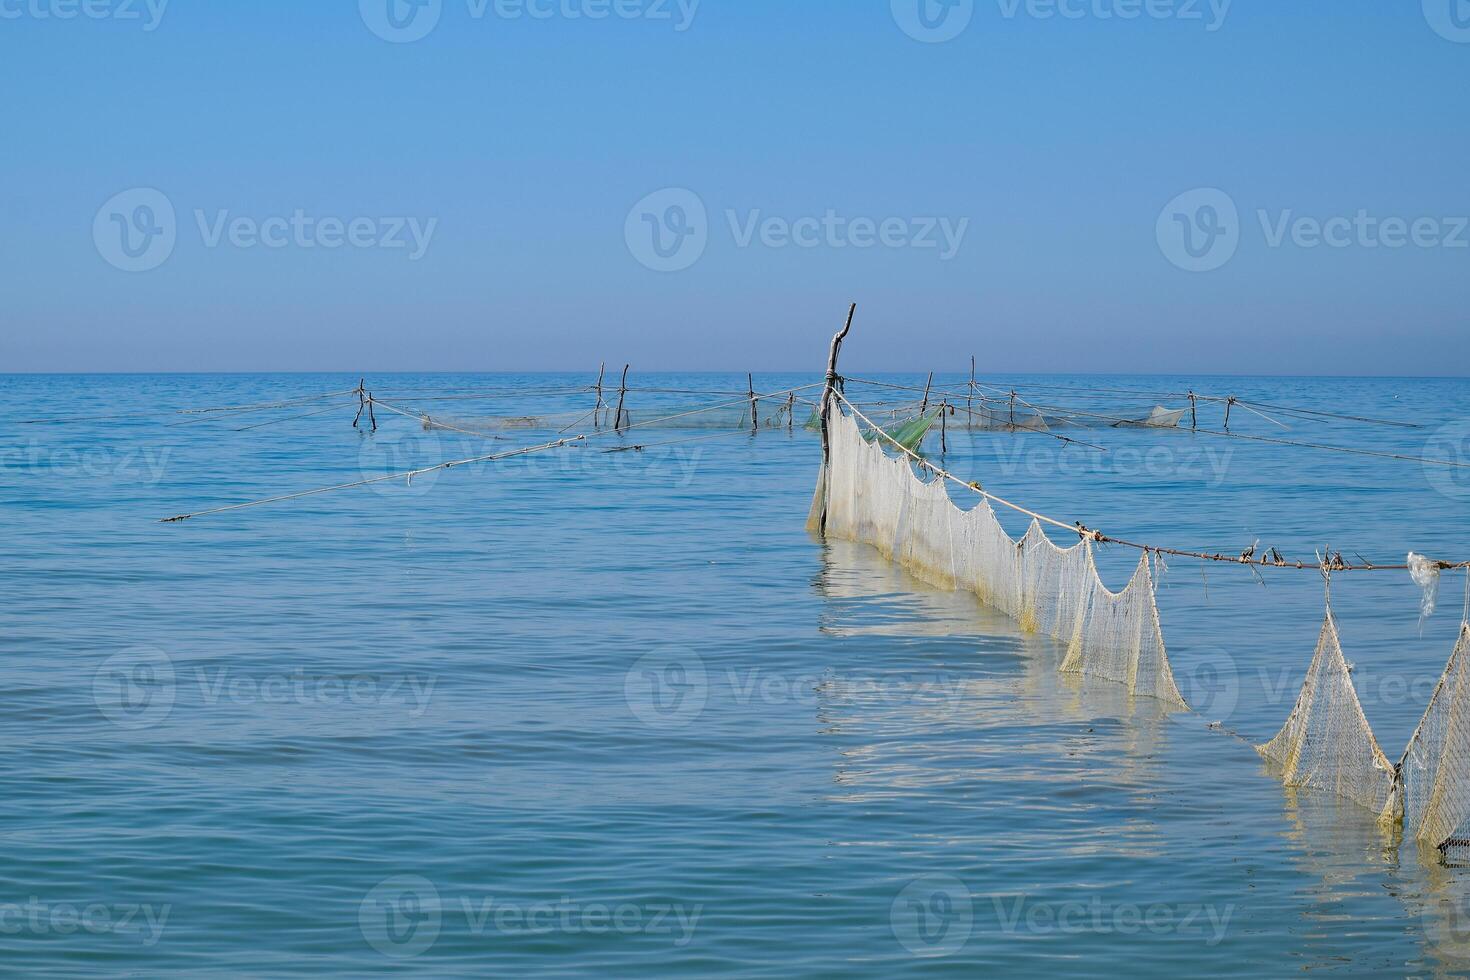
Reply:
x=791, y=411
x=622, y=390
x=837, y=340
x=970, y=398
x=943, y=429
x=361, y=401
x=927, y=385
x=1193, y=413
x=755, y=419
x=1228, y=405
x=597, y=410
x=1013, y=408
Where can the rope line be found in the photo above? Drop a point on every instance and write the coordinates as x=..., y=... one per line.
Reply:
x=1332, y=563
x=493, y=457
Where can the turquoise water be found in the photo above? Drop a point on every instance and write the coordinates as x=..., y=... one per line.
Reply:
x=584, y=713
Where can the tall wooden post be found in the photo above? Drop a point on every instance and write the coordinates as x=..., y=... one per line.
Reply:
x=755, y=418
x=597, y=410
x=927, y=385
x=970, y=398
x=622, y=391
x=837, y=340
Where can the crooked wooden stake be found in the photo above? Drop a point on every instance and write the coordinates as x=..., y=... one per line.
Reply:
x=597, y=410
x=827, y=403
x=361, y=401
x=622, y=391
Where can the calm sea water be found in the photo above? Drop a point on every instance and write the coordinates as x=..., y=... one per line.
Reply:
x=586, y=713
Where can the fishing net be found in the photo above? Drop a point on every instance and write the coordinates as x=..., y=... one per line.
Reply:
x=1120, y=638
x=1435, y=771
x=767, y=413
x=878, y=499
x=1326, y=743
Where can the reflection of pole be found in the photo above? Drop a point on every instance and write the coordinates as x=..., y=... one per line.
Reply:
x=837, y=340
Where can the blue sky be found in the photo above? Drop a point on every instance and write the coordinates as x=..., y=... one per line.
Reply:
x=1020, y=191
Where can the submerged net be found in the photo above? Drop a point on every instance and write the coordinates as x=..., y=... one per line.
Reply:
x=871, y=497
x=1435, y=771
x=1326, y=742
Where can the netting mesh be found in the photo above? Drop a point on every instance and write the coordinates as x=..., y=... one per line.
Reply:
x=1435, y=771
x=878, y=499
x=1326, y=742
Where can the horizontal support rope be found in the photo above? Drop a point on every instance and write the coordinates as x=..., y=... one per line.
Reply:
x=1081, y=530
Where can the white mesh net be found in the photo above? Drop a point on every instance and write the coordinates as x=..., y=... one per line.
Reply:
x=878, y=499
x=1435, y=771
x=1326, y=743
